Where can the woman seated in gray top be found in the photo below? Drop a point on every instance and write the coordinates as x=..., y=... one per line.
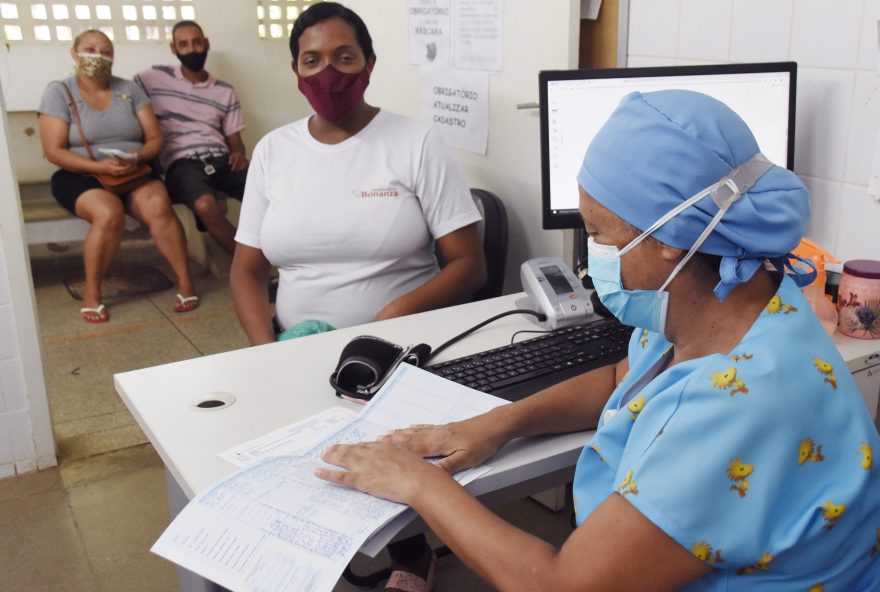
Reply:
x=115, y=114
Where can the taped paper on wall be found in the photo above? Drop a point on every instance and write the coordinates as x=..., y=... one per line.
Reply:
x=478, y=35
x=457, y=103
x=429, y=32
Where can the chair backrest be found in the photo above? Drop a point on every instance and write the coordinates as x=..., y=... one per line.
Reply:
x=493, y=232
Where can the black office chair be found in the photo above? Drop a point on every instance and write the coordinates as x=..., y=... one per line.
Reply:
x=493, y=231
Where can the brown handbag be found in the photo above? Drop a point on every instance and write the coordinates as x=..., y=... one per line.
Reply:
x=118, y=184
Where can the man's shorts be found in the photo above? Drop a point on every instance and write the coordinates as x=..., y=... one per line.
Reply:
x=187, y=179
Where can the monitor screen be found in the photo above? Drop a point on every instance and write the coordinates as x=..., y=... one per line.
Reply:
x=576, y=103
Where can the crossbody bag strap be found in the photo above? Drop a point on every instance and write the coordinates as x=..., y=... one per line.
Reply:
x=79, y=125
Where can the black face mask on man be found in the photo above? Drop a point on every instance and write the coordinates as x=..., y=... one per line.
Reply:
x=193, y=61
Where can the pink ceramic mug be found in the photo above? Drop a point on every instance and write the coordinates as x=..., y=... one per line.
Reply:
x=858, y=299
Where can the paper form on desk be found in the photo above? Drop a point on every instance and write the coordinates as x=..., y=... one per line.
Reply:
x=295, y=439
x=274, y=526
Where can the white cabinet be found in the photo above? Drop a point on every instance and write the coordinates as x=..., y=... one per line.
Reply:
x=869, y=385
x=862, y=357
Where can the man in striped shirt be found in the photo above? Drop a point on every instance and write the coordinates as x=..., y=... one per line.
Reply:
x=201, y=120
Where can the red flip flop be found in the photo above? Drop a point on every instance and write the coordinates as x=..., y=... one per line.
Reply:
x=405, y=581
x=186, y=303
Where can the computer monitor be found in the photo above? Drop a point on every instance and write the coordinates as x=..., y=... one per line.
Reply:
x=575, y=103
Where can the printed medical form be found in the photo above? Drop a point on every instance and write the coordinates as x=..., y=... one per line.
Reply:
x=275, y=526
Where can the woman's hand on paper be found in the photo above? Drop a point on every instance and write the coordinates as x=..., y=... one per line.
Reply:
x=115, y=166
x=462, y=444
x=380, y=469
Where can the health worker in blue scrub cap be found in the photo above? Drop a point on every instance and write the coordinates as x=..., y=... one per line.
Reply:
x=733, y=450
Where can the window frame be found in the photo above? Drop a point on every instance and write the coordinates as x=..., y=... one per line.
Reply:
x=117, y=26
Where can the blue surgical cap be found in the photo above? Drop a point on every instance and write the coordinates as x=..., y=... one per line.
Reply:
x=660, y=148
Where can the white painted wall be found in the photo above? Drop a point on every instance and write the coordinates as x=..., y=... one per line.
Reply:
x=26, y=442
x=838, y=105
x=537, y=36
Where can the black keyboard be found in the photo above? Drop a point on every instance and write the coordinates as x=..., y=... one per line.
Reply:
x=519, y=370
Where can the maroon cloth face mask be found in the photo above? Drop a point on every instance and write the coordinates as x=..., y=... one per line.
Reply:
x=334, y=95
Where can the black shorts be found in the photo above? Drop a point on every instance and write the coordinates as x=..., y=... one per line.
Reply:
x=68, y=186
x=187, y=179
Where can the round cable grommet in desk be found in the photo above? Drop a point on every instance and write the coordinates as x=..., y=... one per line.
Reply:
x=212, y=401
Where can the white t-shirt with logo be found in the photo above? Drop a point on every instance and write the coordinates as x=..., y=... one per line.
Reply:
x=351, y=226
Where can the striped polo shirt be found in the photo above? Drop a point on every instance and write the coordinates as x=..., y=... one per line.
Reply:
x=195, y=118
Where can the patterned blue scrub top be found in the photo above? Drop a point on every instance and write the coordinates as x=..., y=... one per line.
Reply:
x=759, y=462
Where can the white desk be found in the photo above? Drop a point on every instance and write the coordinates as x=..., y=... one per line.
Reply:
x=277, y=384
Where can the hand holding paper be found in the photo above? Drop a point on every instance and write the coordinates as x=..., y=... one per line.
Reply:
x=120, y=154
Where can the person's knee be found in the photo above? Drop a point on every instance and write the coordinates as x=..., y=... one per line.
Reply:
x=157, y=207
x=109, y=218
x=207, y=208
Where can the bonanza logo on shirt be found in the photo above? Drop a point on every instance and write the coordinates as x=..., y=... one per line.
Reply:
x=379, y=192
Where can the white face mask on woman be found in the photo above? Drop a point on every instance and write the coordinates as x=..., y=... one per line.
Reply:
x=95, y=66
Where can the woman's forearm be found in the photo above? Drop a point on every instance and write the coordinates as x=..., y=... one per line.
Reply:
x=251, y=297
x=71, y=161
x=150, y=149
x=451, y=285
x=569, y=406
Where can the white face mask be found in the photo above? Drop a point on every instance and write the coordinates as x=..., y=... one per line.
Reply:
x=647, y=309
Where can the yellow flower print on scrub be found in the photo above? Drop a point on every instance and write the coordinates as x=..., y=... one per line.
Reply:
x=741, y=358
x=727, y=379
x=703, y=552
x=832, y=512
x=826, y=369
x=739, y=472
x=761, y=565
x=776, y=306
x=808, y=451
x=643, y=340
x=598, y=451
x=636, y=405
x=867, y=456
x=628, y=486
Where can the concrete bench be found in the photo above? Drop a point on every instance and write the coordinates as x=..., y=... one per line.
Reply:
x=47, y=223
x=49, y=227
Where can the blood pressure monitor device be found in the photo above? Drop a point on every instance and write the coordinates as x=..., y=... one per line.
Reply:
x=553, y=289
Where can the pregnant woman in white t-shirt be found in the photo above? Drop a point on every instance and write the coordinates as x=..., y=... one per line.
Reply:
x=349, y=202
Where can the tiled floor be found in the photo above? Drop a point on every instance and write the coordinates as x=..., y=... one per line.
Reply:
x=88, y=524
